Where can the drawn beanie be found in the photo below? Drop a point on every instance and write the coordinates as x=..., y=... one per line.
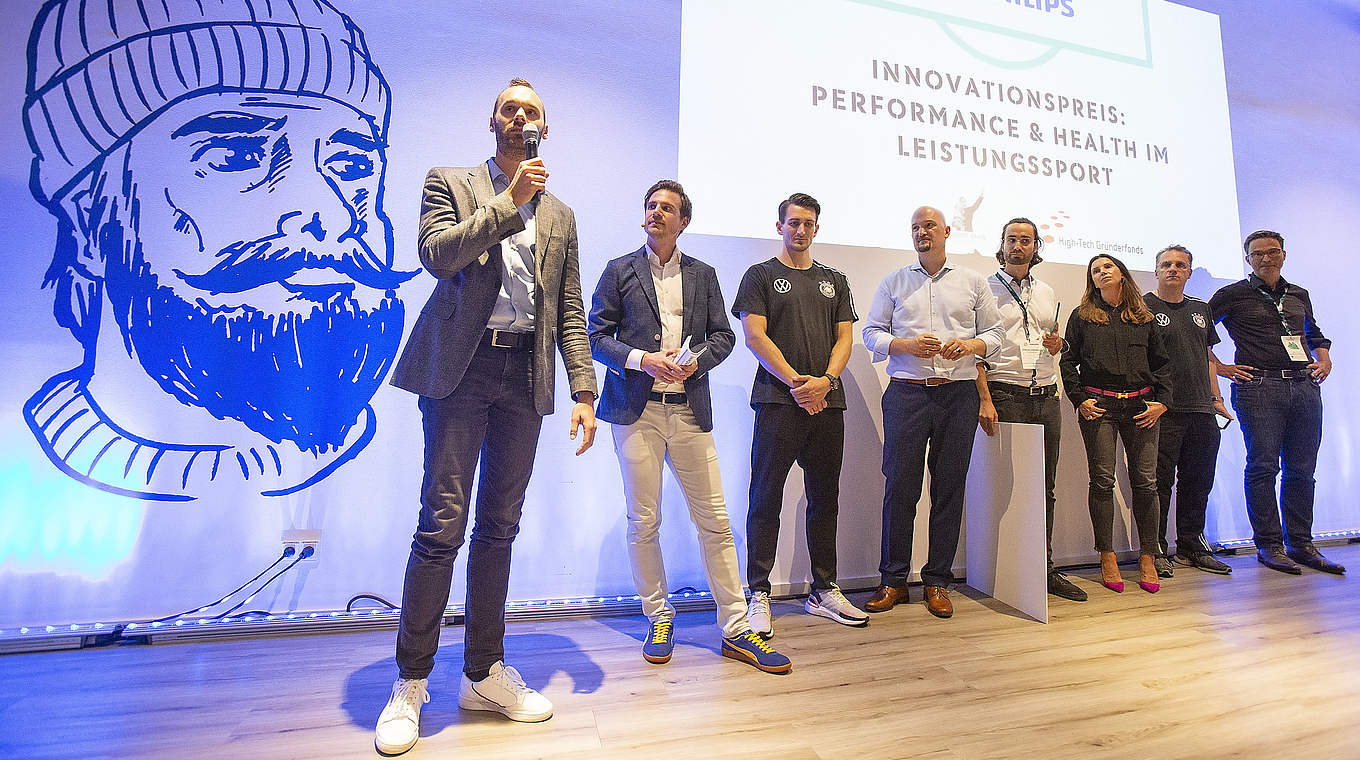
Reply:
x=98, y=70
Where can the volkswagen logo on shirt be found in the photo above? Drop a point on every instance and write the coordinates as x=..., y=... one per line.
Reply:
x=827, y=289
x=1163, y=319
x=1198, y=320
x=782, y=285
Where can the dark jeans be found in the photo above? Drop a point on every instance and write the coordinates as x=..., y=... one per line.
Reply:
x=1187, y=450
x=496, y=394
x=1140, y=452
x=1012, y=406
x=785, y=434
x=1282, y=425
x=945, y=417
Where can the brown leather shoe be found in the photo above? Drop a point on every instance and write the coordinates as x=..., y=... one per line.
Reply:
x=887, y=597
x=937, y=601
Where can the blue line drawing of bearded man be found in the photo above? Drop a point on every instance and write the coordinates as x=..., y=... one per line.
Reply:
x=223, y=257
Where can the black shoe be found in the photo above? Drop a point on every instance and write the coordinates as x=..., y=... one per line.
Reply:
x=1203, y=561
x=1059, y=586
x=1311, y=557
x=1274, y=558
x=1163, y=565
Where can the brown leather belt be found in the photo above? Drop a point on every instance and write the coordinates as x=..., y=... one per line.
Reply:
x=929, y=382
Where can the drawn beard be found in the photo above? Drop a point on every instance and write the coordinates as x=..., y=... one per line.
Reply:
x=300, y=375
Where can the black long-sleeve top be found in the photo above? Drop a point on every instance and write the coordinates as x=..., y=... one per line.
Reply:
x=1254, y=323
x=1114, y=356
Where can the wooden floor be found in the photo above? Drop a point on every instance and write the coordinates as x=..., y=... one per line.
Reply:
x=1259, y=664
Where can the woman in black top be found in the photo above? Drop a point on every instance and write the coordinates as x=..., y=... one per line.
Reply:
x=1115, y=370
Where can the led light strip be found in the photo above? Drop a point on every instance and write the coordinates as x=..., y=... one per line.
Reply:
x=78, y=635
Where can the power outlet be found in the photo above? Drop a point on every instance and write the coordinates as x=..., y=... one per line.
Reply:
x=301, y=539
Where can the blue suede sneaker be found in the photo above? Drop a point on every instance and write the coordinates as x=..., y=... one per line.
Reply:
x=660, y=642
x=751, y=649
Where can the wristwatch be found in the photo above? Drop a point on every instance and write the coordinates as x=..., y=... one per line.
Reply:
x=835, y=381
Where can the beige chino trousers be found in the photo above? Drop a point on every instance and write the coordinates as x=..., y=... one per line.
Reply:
x=668, y=433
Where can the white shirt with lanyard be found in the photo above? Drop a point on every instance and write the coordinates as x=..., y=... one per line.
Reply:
x=1021, y=358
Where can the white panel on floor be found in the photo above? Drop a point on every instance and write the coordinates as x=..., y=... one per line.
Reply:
x=1005, y=547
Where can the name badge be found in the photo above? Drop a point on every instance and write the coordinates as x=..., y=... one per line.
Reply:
x=1030, y=351
x=1293, y=345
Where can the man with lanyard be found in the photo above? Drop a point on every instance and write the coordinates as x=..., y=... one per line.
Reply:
x=1018, y=382
x=1187, y=445
x=929, y=320
x=1281, y=358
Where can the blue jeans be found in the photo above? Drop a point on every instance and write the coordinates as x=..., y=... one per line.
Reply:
x=1140, y=451
x=1282, y=427
x=496, y=394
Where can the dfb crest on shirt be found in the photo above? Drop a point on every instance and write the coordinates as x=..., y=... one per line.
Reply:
x=827, y=288
x=1198, y=319
x=1163, y=319
x=782, y=285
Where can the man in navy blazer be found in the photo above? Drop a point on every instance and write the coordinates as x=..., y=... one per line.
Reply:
x=481, y=358
x=657, y=321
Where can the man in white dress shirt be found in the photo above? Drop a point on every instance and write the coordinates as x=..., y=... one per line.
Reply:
x=1019, y=381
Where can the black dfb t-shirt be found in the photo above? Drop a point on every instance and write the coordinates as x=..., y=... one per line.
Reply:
x=1187, y=330
x=802, y=307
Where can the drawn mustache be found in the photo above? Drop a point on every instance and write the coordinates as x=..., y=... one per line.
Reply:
x=249, y=265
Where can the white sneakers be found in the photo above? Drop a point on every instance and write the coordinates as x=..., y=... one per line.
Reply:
x=503, y=691
x=758, y=615
x=831, y=603
x=399, y=724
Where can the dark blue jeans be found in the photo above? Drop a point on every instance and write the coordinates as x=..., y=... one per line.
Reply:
x=944, y=417
x=495, y=394
x=1282, y=426
x=1140, y=453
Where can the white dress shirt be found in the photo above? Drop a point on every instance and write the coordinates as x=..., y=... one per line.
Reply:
x=514, y=310
x=1005, y=364
x=670, y=301
x=955, y=303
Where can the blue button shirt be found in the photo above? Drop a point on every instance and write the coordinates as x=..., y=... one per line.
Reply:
x=955, y=303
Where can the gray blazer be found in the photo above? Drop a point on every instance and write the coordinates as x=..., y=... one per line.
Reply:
x=462, y=224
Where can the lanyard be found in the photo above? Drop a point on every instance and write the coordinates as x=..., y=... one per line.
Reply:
x=1279, y=305
x=1024, y=309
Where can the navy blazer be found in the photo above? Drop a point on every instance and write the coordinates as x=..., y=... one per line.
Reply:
x=624, y=315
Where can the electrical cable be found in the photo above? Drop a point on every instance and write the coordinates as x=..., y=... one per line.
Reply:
x=349, y=606
x=288, y=551
x=306, y=552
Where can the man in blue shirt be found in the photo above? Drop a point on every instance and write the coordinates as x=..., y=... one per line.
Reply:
x=930, y=320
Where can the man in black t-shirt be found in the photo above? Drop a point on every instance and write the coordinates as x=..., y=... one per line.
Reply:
x=797, y=315
x=1187, y=446
x=1282, y=357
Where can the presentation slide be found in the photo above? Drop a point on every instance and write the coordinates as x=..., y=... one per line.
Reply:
x=1104, y=121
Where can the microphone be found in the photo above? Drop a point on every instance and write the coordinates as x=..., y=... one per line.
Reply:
x=530, y=133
